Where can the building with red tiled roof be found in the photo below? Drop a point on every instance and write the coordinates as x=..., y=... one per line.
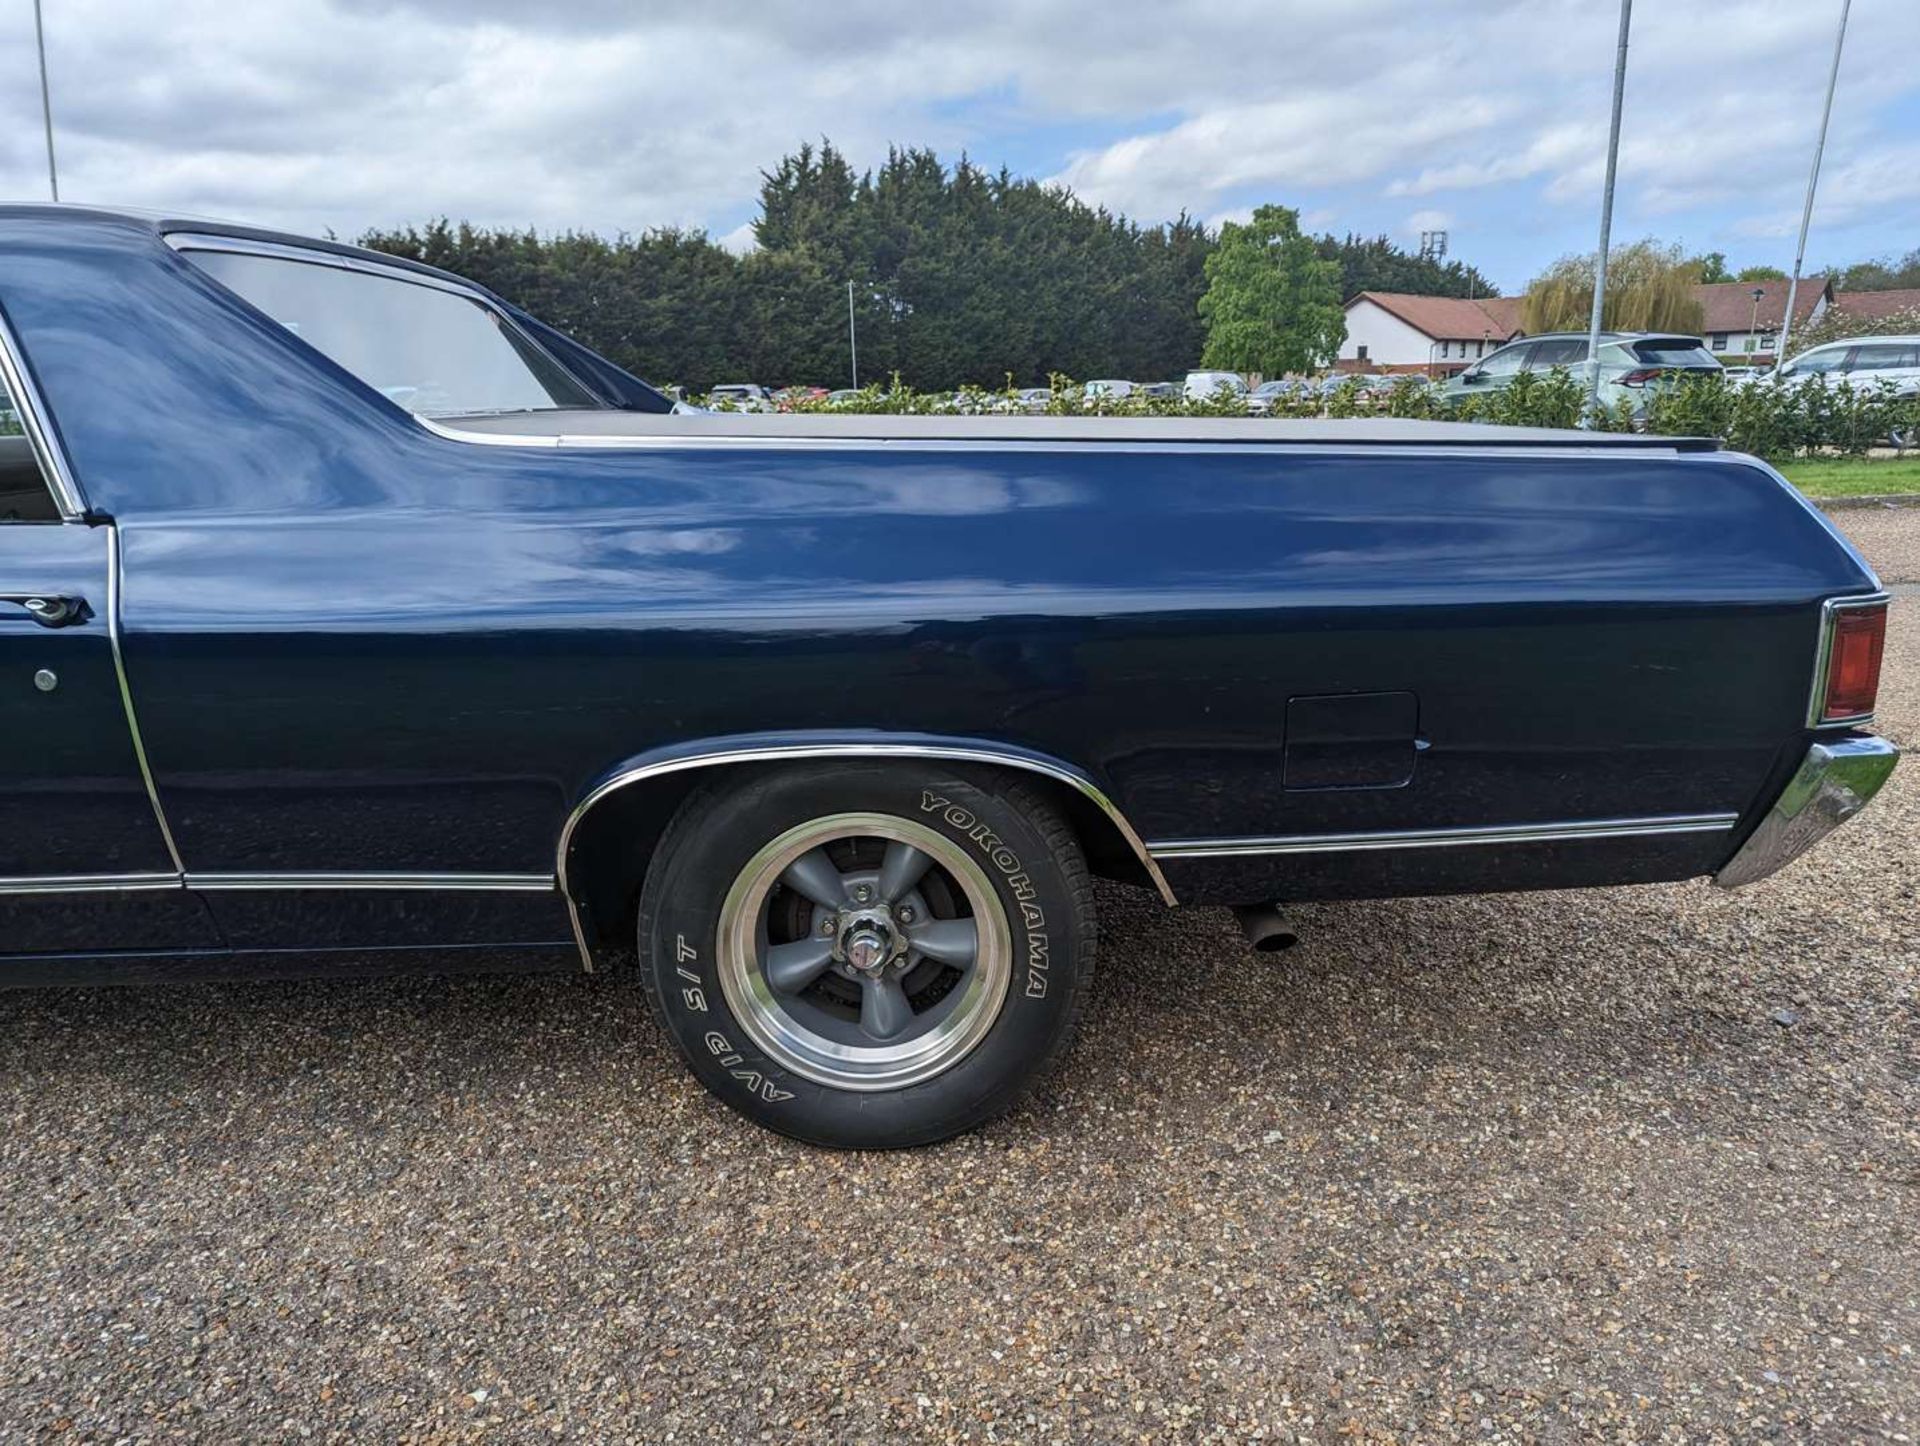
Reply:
x=1740, y=320
x=1876, y=305
x=1394, y=331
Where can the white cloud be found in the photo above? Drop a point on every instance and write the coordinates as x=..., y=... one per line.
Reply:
x=602, y=114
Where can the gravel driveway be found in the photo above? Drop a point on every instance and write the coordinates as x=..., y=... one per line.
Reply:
x=1640, y=1163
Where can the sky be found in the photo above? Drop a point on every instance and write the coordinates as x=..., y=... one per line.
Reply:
x=1485, y=118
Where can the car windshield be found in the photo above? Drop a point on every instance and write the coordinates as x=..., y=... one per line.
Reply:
x=431, y=350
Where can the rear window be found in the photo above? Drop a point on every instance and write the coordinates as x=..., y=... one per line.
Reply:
x=1674, y=351
x=433, y=351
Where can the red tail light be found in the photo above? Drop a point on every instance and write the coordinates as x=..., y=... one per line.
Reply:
x=1856, y=637
x=1639, y=377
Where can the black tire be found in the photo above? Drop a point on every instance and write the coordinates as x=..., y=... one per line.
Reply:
x=1021, y=848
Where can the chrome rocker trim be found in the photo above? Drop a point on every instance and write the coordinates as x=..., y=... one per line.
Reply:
x=1834, y=782
x=777, y=753
x=88, y=883
x=1429, y=838
x=458, y=883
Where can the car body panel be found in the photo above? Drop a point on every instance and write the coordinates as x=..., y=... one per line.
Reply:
x=362, y=644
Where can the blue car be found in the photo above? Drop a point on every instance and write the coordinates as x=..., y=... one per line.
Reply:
x=354, y=620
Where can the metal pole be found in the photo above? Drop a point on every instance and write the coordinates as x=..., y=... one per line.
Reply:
x=853, y=342
x=1606, y=213
x=46, y=100
x=1813, y=178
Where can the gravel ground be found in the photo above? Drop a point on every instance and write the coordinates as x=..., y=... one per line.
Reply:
x=1638, y=1164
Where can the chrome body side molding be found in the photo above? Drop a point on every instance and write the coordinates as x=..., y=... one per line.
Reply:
x=459, y=883
x=1834, y=782
x=114, y=883
x=88, y=883
x=1430, y=838
x=796, y=752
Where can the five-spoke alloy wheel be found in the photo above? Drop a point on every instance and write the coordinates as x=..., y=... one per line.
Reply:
x=867, y=955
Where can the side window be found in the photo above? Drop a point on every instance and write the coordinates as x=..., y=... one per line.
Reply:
x=436, y=352
x=1562, y=352
x=1507, y=360
x=1882, y=356
x=24, y=494
x=1815, y=362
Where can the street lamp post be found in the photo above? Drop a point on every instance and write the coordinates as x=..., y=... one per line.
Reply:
x=1606, y=214
x=46, y=100
x=1813, y=178
x=853, y=342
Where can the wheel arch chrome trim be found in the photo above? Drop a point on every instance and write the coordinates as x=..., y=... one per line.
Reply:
x=720, y=754
x=37, y=421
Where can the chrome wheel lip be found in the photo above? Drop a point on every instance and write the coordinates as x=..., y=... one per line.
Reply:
x=786, y=1040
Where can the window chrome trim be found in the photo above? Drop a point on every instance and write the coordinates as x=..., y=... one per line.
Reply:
x=184, y=241
x=781, y=753
x=1823, y=657
x=457, y=883
x=126, y=695
x=1425, y=838
x=666, y=441
x=35, y=420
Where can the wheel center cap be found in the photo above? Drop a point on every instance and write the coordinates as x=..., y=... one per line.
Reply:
x=869, y=938
x=866, y=951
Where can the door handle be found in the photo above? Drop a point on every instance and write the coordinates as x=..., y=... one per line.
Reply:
x=50, y=610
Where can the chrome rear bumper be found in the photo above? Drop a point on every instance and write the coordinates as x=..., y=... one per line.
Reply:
x=1833, y=783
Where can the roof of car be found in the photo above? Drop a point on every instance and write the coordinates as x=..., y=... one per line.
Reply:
x=164, y=223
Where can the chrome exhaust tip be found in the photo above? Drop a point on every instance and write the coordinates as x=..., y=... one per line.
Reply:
x=1267, y=932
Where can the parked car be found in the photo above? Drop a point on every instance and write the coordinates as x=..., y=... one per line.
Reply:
x=826, y=720
x=844, y=397
x=787, y=398
x=1160, y=391
x=1108, y=389
x=1207, y=386
x=740, y=397
x=1261, y=399
x=1035, y=399
x=1892, y=361
x=1632, y=364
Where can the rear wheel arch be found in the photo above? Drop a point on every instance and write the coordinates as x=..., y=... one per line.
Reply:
x=609, y=840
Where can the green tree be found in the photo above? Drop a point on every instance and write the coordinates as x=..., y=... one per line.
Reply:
x=1761, y=273
x=1650, y=287
x=1272, y=304
x=1374, y=263
x=1886, y=274
x=1712, y=266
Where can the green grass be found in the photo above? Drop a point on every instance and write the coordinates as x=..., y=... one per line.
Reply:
x=1854, y=476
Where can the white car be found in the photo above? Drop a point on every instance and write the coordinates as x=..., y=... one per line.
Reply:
x=1864, y=361
x=1206, y=386
x=1108, y=390
x=740, y=397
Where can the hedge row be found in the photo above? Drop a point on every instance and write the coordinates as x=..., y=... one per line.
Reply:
x=1770, y=421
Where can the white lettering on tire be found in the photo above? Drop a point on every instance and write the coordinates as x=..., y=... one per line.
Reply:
x=1022, y=887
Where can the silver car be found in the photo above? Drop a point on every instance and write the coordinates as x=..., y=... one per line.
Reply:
x=1632, y=364
x=1862, y=360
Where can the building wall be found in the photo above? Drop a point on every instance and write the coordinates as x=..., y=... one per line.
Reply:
x=1388, y=340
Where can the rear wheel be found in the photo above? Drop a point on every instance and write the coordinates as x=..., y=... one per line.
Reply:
x=870, y=955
